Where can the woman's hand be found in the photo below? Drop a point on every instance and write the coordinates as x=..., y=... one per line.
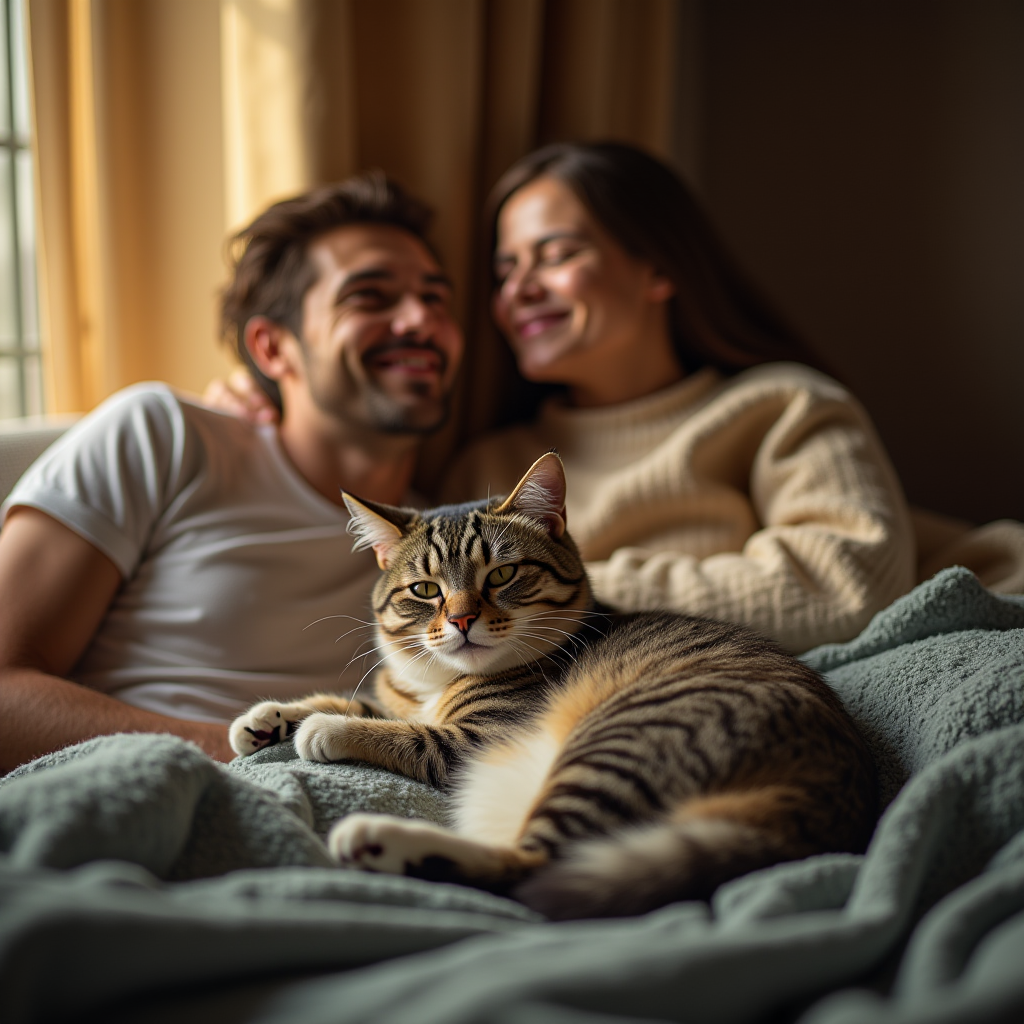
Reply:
x=241, y=396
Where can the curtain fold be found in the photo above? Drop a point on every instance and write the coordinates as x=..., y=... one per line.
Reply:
x=161, y=125
x=91, y=178
x=129, y=169
x=267, y=95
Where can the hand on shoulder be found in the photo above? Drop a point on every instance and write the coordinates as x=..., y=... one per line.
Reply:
x=239, y=395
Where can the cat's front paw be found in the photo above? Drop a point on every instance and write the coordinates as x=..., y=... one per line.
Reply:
x=322, y=737
x=262, y=726
x=383, y=843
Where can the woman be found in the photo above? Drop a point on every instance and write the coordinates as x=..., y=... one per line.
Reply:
x=705, y=474
x=711, y=470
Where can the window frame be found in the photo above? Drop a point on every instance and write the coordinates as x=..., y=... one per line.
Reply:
x=23, y=350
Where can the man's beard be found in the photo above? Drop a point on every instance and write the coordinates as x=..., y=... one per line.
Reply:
x=383, y=413
x=364, y=405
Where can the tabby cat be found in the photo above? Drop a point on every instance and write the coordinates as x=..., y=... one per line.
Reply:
x=598, y=765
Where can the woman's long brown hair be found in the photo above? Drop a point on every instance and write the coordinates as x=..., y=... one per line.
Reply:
x=717, y=317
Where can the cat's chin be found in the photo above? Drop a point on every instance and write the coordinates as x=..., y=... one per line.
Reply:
x=472, y=657
x=477, y=658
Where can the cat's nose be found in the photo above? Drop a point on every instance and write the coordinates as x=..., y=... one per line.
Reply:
x=463, y=622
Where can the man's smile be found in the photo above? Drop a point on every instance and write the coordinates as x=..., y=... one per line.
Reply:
x=417, y=360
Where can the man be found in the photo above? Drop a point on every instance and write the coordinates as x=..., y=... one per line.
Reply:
x=165, y=565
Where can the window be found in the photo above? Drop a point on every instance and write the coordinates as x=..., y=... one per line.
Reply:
x=21, y=390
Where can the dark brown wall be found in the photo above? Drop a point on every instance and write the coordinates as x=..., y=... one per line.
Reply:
x=866, y=160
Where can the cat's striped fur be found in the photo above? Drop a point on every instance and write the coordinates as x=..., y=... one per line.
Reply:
x=599, y=765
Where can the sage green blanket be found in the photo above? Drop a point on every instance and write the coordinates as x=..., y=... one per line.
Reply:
x=139, y=881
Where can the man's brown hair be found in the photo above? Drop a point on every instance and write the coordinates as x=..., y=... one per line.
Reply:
x=269, y=257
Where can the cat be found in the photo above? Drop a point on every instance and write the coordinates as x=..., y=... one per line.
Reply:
x=599, y=765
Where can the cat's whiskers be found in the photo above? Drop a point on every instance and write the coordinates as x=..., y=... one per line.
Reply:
x=406, y=648
x=324, y=618
x=354, y=629
x=570, y=618
x=557, y=656
x=403, y=641
x=517, y=643
x=366, y=654
x=571, y=636
x=402, y=644
x=414, y=641
x=372, y=667
x=431, y=657
x=425, y=652
x=544, y=617
x=558, y=649
x=360, y=652
x=527, y=624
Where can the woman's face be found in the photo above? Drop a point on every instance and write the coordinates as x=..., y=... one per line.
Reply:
x=576, y=308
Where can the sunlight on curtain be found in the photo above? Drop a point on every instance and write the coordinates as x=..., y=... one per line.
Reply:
x=165, y=124
x=130, y=169
x=267, y=91
x=97, y=338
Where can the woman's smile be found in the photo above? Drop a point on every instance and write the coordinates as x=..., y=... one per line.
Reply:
x=529, y=325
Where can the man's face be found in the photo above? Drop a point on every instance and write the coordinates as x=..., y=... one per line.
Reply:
x=380, y=347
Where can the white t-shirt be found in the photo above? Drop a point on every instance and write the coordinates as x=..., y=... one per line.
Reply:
x=239, y=580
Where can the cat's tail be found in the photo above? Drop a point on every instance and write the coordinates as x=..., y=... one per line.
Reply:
x=707, y=842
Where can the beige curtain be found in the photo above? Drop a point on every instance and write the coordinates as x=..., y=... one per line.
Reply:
x=130, y=188
x=163, y=124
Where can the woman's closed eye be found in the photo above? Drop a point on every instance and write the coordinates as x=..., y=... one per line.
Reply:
x=559, y=251
x=550, y=254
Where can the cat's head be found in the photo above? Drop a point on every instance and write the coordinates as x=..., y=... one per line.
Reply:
x=475, y=588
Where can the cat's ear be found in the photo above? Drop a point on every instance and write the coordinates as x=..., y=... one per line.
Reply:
x=541, y=494
x=376, y=526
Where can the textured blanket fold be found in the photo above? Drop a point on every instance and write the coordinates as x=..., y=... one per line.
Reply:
x=113, y=857
x=937, y=666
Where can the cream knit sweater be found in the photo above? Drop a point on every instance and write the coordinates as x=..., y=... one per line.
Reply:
x=764, y=498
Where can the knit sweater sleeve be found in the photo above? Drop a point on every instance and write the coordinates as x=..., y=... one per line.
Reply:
x=832, y=543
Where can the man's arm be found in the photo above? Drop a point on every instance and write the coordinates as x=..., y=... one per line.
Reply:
x=55, y=588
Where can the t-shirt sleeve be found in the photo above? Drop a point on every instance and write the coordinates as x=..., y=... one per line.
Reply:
x=113, y=475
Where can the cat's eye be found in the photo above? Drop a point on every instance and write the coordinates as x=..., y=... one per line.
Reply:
x=501, y=575
x=426, y=589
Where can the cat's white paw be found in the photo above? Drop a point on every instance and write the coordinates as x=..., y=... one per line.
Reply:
x=383, y=843
x=322, y=737
x=261, y=726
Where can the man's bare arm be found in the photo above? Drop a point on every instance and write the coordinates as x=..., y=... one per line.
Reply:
x=55, y=589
